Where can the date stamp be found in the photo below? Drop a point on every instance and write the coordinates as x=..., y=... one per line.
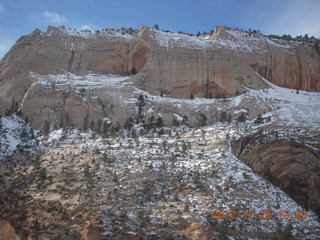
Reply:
x=263, y=214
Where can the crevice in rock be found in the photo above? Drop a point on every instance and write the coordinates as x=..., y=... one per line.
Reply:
x=70, y=61
x=289, y=165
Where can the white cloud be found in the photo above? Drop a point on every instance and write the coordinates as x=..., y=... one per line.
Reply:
x=298, y=18
x=54, y=17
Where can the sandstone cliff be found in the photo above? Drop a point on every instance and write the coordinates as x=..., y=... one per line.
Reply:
x=223, y=64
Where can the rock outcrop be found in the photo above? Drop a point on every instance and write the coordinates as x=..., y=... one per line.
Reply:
x=223, y=64
x=7, y=232
x=291, y=166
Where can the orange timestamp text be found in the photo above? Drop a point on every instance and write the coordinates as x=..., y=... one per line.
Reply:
x=262, y=214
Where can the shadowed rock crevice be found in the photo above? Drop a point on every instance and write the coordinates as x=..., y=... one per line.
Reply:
x=291, y=166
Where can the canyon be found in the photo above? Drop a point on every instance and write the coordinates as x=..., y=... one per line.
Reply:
x=142, y=134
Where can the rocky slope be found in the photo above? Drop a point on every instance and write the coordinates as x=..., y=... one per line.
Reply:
x=155, y=186
x=156, y=182
x=124, y=153
x=223, y=64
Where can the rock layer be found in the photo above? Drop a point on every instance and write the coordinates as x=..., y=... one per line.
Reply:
x=223, y=64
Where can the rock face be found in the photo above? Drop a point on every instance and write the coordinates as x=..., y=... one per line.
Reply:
x=223, y=63
x=7, y=232
x=219, y=65
x=293, y=167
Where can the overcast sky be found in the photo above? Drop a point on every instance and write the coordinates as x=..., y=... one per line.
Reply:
x=295, y=17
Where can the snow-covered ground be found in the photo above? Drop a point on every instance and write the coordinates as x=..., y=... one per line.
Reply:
x=195, y=167
x=285, y=106
x=70, y=81
x=289, y=107
x=235, y=40
x=113, y=35
x=14, y=133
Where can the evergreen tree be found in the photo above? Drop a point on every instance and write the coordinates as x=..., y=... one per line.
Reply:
x=134, y=133
x=85, y=124
x=133, y=70
x=92, y=126
x=46, y=127
x=128, y=123
x=287, y=232
x=115, y=129
x=140, y=104
x=223, y=116
x=156, y=26
x=151, y=122
x=185, y=120
x=99, y=125
x=175, y=122
x=203, y=120
x=229, y=117
x=259, y=119
x=159, y=123
x=242, y=117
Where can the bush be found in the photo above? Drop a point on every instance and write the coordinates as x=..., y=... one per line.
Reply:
x=259, y=119
x=242, y=117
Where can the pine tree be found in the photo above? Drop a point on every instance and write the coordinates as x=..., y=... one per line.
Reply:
x=175, y=122
x=133, y=70
x=242, y=117
x=99, y=125
x=203, y=119
x=229, y=117
x=287, y=232
x=223, y=116
x=151, y=123
x=185, y=120
x=140, y=104
x=46, y=127
x=85, y=124
x=128, y=123
x=92, y=125
x=159, y=123
x=259, y=119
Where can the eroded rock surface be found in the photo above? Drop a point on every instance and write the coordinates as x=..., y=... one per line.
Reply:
x=292, y=166
x=223, y=64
